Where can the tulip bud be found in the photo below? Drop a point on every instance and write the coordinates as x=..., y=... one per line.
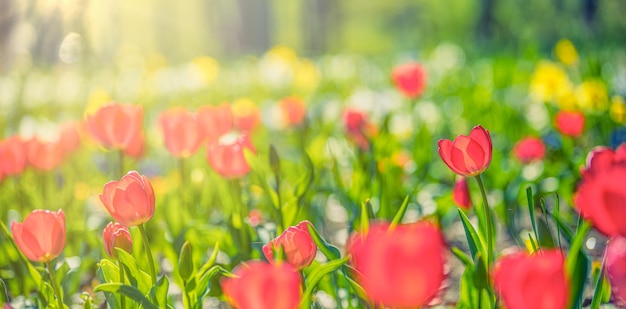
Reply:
x=297, y=244
x=410, y=79
x=114, y=236
x=119, y=127
x=461, y=194
x=467, y=155
x=185, y=262
x=41, y=237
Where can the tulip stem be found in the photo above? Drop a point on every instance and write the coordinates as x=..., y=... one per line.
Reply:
x=487, y=214
x=55, y=284
x=146, y=246
x=239, y=214
x=121, y=163
x=122, y=298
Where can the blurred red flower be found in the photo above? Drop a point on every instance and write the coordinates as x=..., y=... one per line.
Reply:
x=118, y=127
x=297, y=244
x=616, y=267
x=602, y=158
x=12, y=156
x=130, y=201
x=44, y=155
x=226, y=156
x=41, y=237
x=293, y=111
x=181, y=131
x=529, y=149
x=410, y=79
x=401, y=268
x=261, y=285
x=534, y=281
x=570, y=123
x=358, y=127
x=114, y=236
x=467, y=155
x=215, y=121
x=461, y=194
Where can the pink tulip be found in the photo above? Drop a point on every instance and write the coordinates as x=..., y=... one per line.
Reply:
x=226, y=156
x=130, y=201
x=182, y=132
x=41, y=237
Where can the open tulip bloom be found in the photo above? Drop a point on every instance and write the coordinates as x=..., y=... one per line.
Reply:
x=467, y=155
x=41, y=237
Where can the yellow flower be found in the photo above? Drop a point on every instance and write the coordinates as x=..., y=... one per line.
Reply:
x=549, y=82
x=618, y=109
x=592, y=95
x=567, y=101
x=566, y=52
x=97, y=98
x=208, y=68
x=307, y=76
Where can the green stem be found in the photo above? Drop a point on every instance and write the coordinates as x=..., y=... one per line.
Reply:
x=121, y=164
x=181, y=171
x=122, y=298
x=238, y=215
x=187, y=297
x=55, y=284
x=281, y=221
x=487, y=214
x=146, y=246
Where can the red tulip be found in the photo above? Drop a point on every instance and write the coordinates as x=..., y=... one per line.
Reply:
x=44, y=155
x=12, y=156
x=182, y=132
x=358, y=127
x=114, y=236
x=297, y=245
x=603, y=158
x=532, y=281
x=600, y=197
x=41, y=237
x=402, y=268
x=570, y=123
x=246, y=115
x=226, y=156
x=262, y=285
x=119, y=127
x=215, y=121
x=467, y=155
x=293, y=111
x=69, y=138
x=616, y=267
x=130, y=201
x=461, y=194
x=410, y=79
x=529, y=149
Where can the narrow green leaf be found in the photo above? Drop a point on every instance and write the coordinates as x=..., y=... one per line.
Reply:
x=577, y=265
x=400, y=214
x=4, y=296
x=274, y=161
x=464, y=258
x=138, y=278
x=531, y=209
x=315, y=276
x=211, y=261
x=128, y=291
x=473, y=239
x=568, y=234
x=158, y=293
x=185, y=262
x=481, y=278
x=533, y=242
x=558, y=212
x=203, y=286
x=331, y=252
x=598, y=291
x=365, y=220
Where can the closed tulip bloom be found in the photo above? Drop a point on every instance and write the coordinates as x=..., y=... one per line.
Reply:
x=44, y=155
x=293, y=111
x=261, y=285
x=601, y=198
x=467, y=155
x=215, y=121
x=402, y=268
x=12, y=156
x=461, y=194
x=181, y=131
x=570, y=123
x=529, y=149
x=410, y=79
x=535, y=281
x=118, y=127
x=226, y=156
x=130, y=201
x=114, y=236
x=41, y=237
x=616, y=267
x=297, y=245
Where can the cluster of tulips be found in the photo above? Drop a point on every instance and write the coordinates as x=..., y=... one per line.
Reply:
x=386, y=263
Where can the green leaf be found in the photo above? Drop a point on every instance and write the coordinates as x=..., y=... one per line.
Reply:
x=562, y=227
x=304, y=183
x=358, y=289
x=136, y=276
x=128, y=291
x=274, y=161
x=577, y=265
x=400, y=214
x=481, y=277
x=545, y=239
x=315, y=276
x=185, y=262
x=464, y=258
x=4, y=296
x=211, y=261
x=365, y=220
x=204, y=281
x=600, y=287
x=331, y=252
x=473, y=239
x=158, y=293
x=531, y=210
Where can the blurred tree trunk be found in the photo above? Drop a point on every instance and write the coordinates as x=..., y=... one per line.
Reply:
x=320, y=24
x=486, y=21
x=589, y=9
x=8, y=20
x=255, y=17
